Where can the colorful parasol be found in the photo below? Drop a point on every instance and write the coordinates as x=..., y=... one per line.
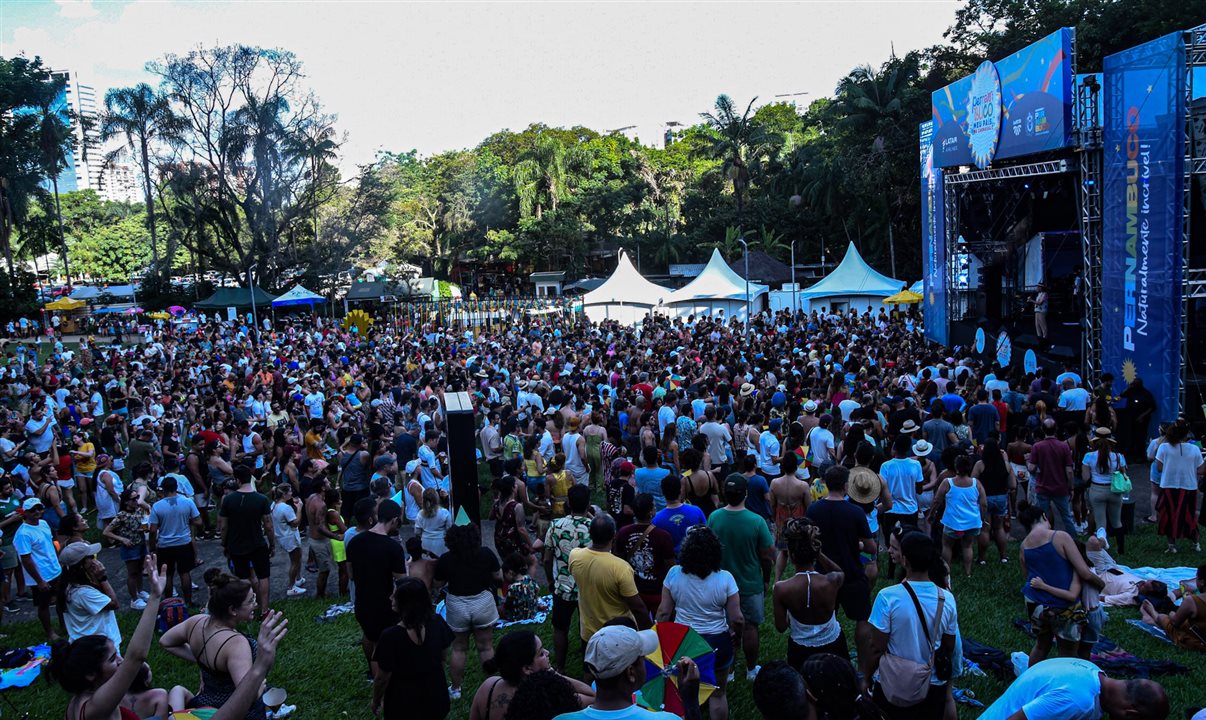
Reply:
x=66, y=303
x=676, y=641
x=177, y=310
x=904, y=297
x=159, y=315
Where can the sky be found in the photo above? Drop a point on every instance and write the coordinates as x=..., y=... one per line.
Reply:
x=437, y=76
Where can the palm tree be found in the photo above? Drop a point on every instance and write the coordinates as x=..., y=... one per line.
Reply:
x=772, y=242
x=56, y=143
x=546, y=174
x=731, y=245
x=739, y=143
x=145, y=118
x=316, y=147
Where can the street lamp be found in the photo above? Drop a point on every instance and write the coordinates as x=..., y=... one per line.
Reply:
x=251, y=283
x=746, y=247
x=794, y=288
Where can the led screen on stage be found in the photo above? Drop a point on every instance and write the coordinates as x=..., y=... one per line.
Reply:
x=1034, y=115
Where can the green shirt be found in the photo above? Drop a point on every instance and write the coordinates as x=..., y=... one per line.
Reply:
x=7, y=508
x=743, y=534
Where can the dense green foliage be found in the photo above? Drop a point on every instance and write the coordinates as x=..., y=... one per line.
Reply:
x=241, y=159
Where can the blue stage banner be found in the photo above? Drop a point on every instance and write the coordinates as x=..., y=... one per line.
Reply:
x=1034, y=88
x=933, y=240
x=1144, y=98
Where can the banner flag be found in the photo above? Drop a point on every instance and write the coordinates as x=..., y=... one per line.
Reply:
x=1144, y=98
x=933, y=239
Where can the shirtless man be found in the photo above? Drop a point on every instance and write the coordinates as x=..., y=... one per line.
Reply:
x=320, y=537
x=789, y=499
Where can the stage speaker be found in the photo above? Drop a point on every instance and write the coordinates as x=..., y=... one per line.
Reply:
x=991, y=284
x=462, y=454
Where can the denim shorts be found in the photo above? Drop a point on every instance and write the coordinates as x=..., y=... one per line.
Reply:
x=998, y=506
x=722, y=643
x=753, y=608
x=130, y=554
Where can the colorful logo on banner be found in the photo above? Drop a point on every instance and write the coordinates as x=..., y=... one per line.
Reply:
x=1144, y=98
x=1030, y=361
x=1004, y=349
x=979, y=340
x=933, y=239
x=984, y=114
x=1036, y=104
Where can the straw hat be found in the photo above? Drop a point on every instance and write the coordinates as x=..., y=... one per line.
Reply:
x=1103, y=434
x=864, y=486
x=747, y=389
x=909, y=427
x=921, y=448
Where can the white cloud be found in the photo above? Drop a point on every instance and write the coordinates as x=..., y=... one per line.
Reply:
x=76, y=9
x=438, y=76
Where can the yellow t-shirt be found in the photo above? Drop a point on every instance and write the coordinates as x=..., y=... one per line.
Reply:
x=559, y=487
x=604, y=581
x=87, y=465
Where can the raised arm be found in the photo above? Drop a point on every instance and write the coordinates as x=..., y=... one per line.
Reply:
x=109, y=695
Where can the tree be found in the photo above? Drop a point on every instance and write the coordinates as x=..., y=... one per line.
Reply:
x=145, y=119
x=56, y=142
x=545, y=174
x=738, y=142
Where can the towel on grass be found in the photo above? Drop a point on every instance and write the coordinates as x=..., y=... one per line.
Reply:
x=25, y=674
x=543, y=605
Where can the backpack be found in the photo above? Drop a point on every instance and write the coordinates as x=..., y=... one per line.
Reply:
x=172, y=612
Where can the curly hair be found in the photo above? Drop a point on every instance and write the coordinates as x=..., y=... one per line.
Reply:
x=700, y=553
x=463, y=540
x=542, y=696
x=833, y=684
x=803, y=538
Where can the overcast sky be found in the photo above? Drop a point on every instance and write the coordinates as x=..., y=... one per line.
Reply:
x=441, y=76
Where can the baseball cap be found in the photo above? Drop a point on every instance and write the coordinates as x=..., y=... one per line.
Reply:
x=736, y=482
x=627, y=468
x=31, y=503
x=612, y=650
x=78, y=551
x=385, y=461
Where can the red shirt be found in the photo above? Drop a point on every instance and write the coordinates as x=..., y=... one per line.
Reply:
x=1003, y=411
x=1051, y=458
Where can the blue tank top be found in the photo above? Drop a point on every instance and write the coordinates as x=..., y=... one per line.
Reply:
x=1045, y=561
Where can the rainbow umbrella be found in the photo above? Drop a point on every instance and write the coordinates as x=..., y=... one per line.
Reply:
x=676, y=641
x=177, y=310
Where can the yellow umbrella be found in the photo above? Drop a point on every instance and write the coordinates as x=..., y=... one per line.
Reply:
x=65, y=303
x=904, y=297
x=159, y=315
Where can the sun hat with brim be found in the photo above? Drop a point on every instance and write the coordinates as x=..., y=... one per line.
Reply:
x=77, y=552
x=747, y=389
x=864, y=487
x=1103, y=433
x=810, y=406
x=921, y=448
x=909, y=427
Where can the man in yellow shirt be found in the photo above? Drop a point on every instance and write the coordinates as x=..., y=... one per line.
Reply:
x=606, y=588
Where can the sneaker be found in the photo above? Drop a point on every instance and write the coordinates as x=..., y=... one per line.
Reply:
x=454, y=693
x=751, y=674
x=1197, y=547
x=1101, y=535
x=1171, y=550
x=195, y=586
x=295, y=591
x=732, y=676
x=281, y=712
x=301, y=582
x=11, y=607
x=143, y=594
x=138, y=604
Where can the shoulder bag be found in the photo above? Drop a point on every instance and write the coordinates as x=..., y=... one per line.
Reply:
x=905, y=682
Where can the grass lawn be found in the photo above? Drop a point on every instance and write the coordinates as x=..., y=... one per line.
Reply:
x=322, y=667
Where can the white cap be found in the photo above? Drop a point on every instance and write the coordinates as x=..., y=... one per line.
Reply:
x=611, y=650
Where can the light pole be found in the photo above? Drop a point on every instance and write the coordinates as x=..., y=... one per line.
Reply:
x=251, y=284
x=746, y=248
x=794, y=289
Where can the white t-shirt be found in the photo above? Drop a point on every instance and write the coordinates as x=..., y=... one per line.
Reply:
x=699, y=603
x=665, y=416
x=902, y=476
x=1180, y=465
x=314, y=402
x=1074, y=399
x=287, y=536
x=821, y=444
x=84, y=616
x=1055, y=689
x=768, y=449
x=895, y=615
x=38, y=542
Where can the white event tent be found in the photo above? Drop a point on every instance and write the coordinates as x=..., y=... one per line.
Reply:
x=717, y=288
x=626, y=296
x=853, y=284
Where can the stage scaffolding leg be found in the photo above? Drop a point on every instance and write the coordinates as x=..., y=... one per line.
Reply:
x=1088, y=97
x=950, y=209
x=1193, y=279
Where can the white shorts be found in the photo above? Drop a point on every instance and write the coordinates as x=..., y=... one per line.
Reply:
x=65, y=484
x=475, y=612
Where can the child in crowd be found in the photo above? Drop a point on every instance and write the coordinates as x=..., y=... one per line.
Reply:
x=523, y=592
x=422, y=562
x=288, y=540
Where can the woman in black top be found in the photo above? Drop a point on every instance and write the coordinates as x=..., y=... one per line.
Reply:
x=996, y=475
x=472, y=572
x=408, y=663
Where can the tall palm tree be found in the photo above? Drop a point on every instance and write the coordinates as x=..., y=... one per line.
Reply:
x=145, y=118
x=739, y=142
x=317, y=148
x=55, y=142
x=546, y=174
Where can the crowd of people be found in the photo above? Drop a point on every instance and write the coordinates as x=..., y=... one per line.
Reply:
x=682, y=472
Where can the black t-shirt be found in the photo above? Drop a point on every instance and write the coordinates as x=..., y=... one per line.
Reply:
x=245, y=513
x=843, y=524
x=375, y=558
x=467, y=577
x=406, y=446
x=418, y=688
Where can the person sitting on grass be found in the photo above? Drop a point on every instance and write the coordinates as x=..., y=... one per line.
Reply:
x=519, y=655
x=1187, y=626
x=520, y=602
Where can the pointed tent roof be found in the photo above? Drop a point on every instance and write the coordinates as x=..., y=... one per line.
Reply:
x=918, y=287
x=716, y=282
x=298, y=296
x=239, y=297
x=853, y=276
x=626, y=285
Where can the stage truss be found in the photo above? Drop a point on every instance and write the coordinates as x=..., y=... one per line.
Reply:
x=1193, y=279
x=1089, y=160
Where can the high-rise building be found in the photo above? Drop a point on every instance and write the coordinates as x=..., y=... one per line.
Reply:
x=85, y=168
x=122, y=179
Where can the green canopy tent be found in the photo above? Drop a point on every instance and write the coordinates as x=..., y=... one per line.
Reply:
x=235, y=297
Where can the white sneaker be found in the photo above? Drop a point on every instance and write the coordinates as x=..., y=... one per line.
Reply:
x=301, y=582
x=143, y=594
x=282, y=712
x=138, y=604
x=454, y=693
x=295, y=591
x=751, y=674
x=1101, y=535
